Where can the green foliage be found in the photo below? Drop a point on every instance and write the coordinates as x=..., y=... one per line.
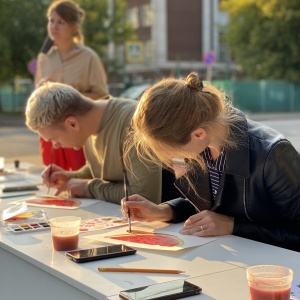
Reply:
x=264, y=38
x=99, y=28
x=23, y=28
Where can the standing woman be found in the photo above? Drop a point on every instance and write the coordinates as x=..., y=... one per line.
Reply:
x=69, y=61
x=241, y=177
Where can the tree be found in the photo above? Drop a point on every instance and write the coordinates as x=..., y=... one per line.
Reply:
x=264, y=38
x=99, y=28
x=23, y=30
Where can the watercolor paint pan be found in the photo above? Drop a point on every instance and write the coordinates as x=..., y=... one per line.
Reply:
x=27, y=227
x=26, y=221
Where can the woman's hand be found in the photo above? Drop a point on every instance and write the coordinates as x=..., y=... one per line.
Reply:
x=208, y=223
x=142, y=209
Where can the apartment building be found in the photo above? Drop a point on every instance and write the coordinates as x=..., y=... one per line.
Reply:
x=176, y=37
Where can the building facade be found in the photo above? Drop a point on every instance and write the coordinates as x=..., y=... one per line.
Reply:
x=175, y=37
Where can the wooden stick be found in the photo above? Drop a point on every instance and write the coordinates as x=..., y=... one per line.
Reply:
x=133, y=270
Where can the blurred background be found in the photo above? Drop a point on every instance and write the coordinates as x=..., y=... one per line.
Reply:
x=249, y=48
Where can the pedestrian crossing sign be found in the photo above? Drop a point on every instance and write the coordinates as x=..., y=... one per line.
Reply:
x=134, y=52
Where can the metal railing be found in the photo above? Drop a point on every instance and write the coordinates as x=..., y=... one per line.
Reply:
x=249, y=96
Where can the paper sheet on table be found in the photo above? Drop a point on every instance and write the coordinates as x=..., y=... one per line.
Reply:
x=66, y=203
x=18, y=180
x=295, y=289
x=7, y=177
x=147, y=237
x=102, y=222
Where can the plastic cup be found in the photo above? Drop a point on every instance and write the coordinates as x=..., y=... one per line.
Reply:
x=269, y=282
x=65, y=233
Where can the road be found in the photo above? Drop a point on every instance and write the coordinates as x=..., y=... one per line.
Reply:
x=19, y=143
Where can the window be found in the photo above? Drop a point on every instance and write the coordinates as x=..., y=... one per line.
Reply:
x=133, y=16
x=146, y=15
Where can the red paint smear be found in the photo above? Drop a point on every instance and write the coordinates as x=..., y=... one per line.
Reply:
x=149, y=239
x=54, y=202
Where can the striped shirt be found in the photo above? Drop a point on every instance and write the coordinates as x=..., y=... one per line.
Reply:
x=215, y=168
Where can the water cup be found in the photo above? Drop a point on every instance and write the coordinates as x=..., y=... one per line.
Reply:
x=269, y=282
x=65, y=233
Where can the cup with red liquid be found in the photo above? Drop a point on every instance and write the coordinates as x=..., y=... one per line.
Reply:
x=65, y=232
x=269, y=282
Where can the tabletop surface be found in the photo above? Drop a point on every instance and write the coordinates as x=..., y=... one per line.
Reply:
x=218, y=266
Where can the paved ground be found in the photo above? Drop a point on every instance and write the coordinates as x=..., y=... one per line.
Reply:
x=17, y=142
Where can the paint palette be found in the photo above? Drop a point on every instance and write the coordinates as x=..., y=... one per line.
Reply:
x=28, y=221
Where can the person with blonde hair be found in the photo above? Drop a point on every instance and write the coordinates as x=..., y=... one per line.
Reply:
x=238, y=176
x=66, y=118
x=69, y=61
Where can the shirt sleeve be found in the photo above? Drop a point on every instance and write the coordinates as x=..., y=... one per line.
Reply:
x=83, y=173
x=144, y=179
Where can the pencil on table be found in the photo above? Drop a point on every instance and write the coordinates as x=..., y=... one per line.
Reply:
x=134, y=270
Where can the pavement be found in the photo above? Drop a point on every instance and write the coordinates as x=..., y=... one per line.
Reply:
x=17, y=142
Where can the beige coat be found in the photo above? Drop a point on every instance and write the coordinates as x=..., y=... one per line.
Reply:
x=82, y=69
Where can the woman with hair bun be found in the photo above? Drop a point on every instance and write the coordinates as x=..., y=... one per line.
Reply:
x=238, y=176
x=70, y=62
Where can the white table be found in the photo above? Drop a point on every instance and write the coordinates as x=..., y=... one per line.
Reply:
x=30, y=269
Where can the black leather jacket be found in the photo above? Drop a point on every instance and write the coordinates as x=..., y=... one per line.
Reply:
x=260, y=188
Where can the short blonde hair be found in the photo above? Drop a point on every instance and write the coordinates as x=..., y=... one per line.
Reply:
x=52, y=103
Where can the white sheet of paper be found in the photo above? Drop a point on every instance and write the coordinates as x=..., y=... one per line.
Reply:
x=83, y=202
x=102, y=222
x=187, y=241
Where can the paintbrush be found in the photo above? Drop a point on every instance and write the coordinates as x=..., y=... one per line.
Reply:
x=126, y=196
x=50, y=170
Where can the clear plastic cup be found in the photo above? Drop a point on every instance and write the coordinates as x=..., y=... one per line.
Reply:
x=65, y=233
x=269, y=282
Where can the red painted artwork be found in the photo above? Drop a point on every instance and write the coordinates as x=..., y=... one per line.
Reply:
x=64, y=203
x=149, y=239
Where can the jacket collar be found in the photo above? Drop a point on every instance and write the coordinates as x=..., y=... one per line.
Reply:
x=237, y=160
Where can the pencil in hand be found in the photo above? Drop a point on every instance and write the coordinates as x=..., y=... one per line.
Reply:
x=135, y=270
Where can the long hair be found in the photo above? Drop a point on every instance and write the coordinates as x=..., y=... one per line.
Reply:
x=171, y=110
